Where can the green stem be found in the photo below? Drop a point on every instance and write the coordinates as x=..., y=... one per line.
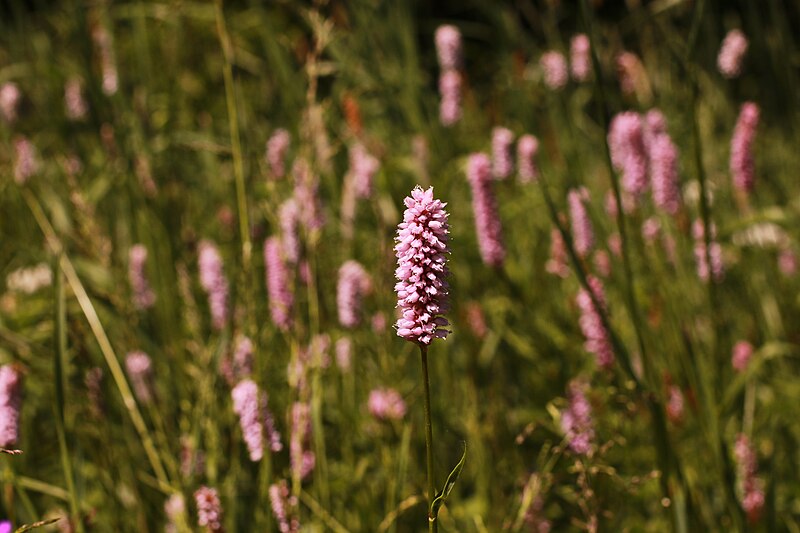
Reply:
x=433, y=525
x=60, y=363
x=236, y=145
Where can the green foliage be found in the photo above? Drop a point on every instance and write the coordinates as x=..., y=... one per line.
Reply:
x=176, y=156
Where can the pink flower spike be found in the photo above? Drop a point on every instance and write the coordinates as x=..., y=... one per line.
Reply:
x=598, y=340
x=484, y=206
x=386, y=404
x=353, y=283
x=576, y=421
x=556, y=72
x=143, y=295
x=10, y=405
x=448, y=47
x=626, y=143
x=580, y=59
x=527, y=149
x=742, y=353
x=421, y=250
x=742, y=163
x=582, y=231
x=212, y=278
x=209, y=509
x=280, y=295
x=731, y=53
x=502, y=163
x=450, y=91
x=277, y=148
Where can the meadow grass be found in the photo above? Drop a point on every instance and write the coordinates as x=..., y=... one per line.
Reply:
x=170, y=152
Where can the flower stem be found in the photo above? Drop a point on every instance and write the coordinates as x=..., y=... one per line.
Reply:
x=433, y=525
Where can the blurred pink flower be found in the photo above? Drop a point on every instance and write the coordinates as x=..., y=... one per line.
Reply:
x=580, y=58
x=354, y=282
x=582, y=230
x=484, y=206
x=741, y=355
x=598, y=340
x=626, y=143
x=742, y=162
x=502, y=162
x=717, y=267
x=280, y=295
x=386, y=404
x=448, y=47
x=450, y=91
x=731, y=53
x=277, y=148
x=209, y=509
x=143, y=295
x=556, y=72
x=576, y=421
x=10, y=405
x=213, y=281
x=10, y=96
x=140, y=370
x=527, y=149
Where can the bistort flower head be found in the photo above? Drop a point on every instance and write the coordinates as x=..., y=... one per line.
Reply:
x=421, y=250
x=484, y=206
x=729, y=60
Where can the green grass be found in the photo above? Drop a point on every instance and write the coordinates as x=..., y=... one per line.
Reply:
x=202, y=87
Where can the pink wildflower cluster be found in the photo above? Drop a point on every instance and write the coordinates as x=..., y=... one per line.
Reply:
x=527, y=149
x=576, y=421
x=386, y=404
x=140, y=370
x=502, y=162
x=582, y=231
x=277, y=148
x=209, y=509
x=626, y=143
x=598, y=340
x=448, y=49
x=143, y=295
x=580, y=59
x=663, y=159
x=26, y=164
x=280, y=295
x=556, y=71
x=484, y=206
x=284, y=507
x=354, y=282
x=301, y=457
x=741, y=354
x=363, y=167
x=731, y=53
x=752, y=488
x=557, y=264
x=344, y=353
x=10, y=96
x=742, y=163
x=212, y=278
x=630, y=72
x=74, y=102
x=306, y=194
x=717, y=268
x=10, y=404
x=108, y=64
x=255, y=419
x=421, y=250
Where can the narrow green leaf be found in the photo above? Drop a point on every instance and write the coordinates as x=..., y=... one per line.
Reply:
x=448, y=485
